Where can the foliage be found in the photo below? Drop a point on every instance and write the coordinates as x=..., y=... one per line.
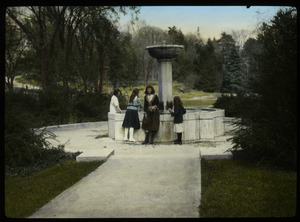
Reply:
x=15, y=44
x=233, y=76
x=25, y=194
x=123, y=66
x=91, y=107
x=22, y=146
x=236, y=188
x=236, y=106
x=250, y=50
x=268, y=131
x=208, y=67
x=53, y=33
x=54, y=105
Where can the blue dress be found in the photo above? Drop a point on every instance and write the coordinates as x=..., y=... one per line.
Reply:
x=131, y=118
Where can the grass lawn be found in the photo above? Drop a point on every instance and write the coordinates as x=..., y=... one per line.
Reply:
x=24, y=195
x=236, y=188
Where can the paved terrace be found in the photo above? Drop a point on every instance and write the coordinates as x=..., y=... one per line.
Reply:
x=136, y=181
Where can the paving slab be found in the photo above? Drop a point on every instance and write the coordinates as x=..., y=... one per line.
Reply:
x=95, y=155
x=145, y=185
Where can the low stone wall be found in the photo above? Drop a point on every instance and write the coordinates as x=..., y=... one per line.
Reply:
x=203, y=124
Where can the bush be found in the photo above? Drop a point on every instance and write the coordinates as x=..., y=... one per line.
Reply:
x=24, y=149
x=91, y=107
x=265, y=135
x=236, y=106
x=55, y=106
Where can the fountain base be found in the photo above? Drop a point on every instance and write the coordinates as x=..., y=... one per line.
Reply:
x=202, y=124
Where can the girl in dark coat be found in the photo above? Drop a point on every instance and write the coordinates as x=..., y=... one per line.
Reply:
x=151, y=116
x=178, y=113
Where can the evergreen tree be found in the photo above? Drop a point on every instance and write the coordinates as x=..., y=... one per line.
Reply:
x=233, y=75
x=268, y=131
x=208, y=67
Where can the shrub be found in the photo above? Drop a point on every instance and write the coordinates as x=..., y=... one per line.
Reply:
x=91, y=107
x=22, y=146
x=26, y=150
x=236, y=106
x=55, y=105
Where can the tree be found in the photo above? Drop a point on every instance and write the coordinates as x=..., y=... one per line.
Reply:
x=233, y=75
x=123, y=62
x=34, y=27
x=15, y=46
x=240, y=37
x=223, y=46
x=51, y=30
x=268, y=131
x=147, y=36
x=250, y=51
x=208, y=67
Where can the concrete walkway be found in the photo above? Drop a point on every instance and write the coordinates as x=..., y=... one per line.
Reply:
x=136, y=181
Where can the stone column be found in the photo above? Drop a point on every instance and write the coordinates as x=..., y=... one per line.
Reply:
x=165, y=81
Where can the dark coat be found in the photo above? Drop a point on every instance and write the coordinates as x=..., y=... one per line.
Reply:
x=178, y=113
x=151, y=118
x=155, y=101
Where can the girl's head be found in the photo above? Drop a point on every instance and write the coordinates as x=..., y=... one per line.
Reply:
x=177, y=101
x=116, y=92
x=135, y=92
x=149, y=90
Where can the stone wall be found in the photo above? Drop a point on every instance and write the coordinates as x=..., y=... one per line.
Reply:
x=203, y=124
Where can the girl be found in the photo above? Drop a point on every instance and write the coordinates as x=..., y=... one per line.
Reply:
x=114, y=106
x=131, y=120
x=151, y=117
x=178, y=113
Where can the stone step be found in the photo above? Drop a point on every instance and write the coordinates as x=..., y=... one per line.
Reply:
x=95, y=155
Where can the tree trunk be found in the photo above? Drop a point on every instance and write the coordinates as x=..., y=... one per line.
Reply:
x=101, y=70
x=42, y=56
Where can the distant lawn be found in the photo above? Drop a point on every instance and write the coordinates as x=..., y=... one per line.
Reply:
x=198, y=103
x=186, y=97
x=235, y=188
x=194, y=103
x=24, y=195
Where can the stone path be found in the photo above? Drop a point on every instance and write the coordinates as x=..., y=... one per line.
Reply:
x=136, y=181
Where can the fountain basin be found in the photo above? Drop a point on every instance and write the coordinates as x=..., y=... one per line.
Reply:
x=202, y=124
x=164, y=51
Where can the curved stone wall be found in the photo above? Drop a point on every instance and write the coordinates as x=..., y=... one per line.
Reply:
x=203, y=124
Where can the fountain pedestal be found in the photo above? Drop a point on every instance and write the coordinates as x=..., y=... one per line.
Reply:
x=165, y=81
x=164, y=55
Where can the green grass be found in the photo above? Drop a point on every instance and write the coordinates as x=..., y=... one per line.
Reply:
x=191, y=98
x=235, y=188
x=24, y=195
x=197, y=103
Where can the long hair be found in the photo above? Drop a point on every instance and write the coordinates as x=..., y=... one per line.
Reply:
x=152, y=89
x=177, y=101
x=134, y=93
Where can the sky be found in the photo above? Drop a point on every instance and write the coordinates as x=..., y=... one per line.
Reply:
x=211, y=20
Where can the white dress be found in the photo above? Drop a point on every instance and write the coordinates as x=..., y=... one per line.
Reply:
x=114, y=102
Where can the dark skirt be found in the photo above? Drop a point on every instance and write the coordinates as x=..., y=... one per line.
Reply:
x=131, y=119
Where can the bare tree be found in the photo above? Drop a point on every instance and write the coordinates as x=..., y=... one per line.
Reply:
x=240, y=37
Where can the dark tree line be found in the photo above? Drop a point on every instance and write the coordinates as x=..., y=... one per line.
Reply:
x=82, y=48
x=73, y=44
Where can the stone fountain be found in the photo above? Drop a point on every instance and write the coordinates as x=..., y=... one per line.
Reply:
x=164, y=55
x=199, y=124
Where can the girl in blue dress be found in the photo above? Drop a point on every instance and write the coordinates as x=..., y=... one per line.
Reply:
x=131, y=120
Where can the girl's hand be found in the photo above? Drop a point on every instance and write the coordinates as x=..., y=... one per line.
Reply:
x=170, y=109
